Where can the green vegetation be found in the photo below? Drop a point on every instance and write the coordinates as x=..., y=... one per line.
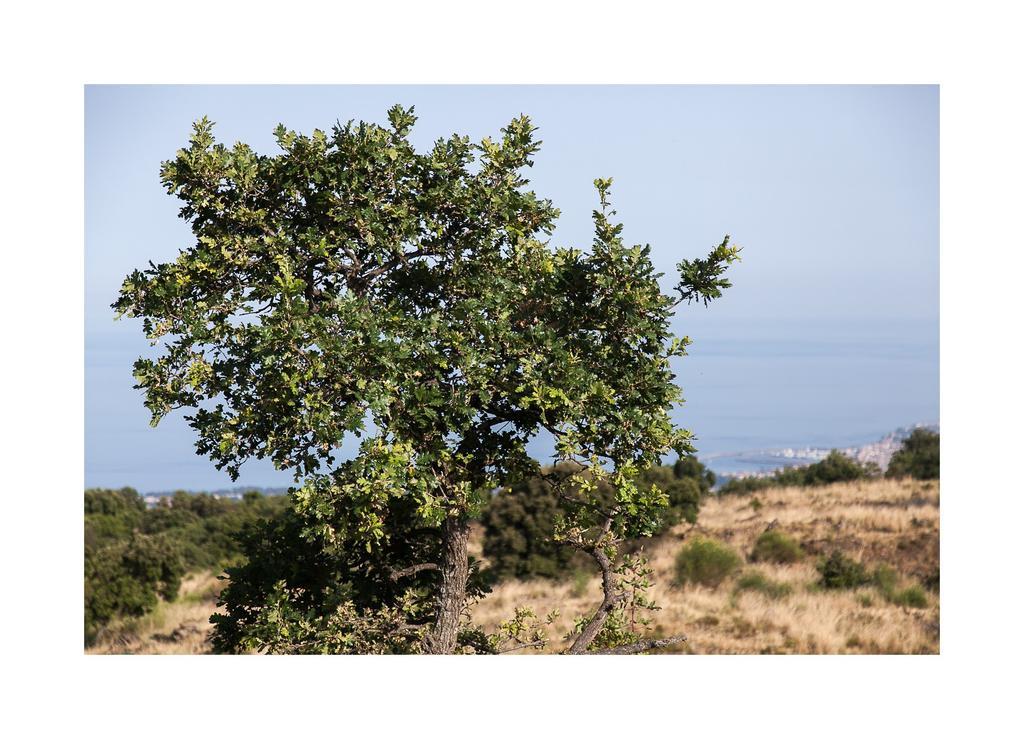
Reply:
x=836, y=467
x=705, y=561
x=841, y=572
x=910, y=597
x=917, y=458
x=887, y=580
x=757, y=582
x=519, y=531
x=133, y=556
x=521, y=522
x=350, y=279
x=775, y=546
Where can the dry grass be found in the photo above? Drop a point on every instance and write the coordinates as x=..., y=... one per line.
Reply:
x=879, y=522
x=180, y=627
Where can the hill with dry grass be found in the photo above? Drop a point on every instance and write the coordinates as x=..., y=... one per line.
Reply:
x=764, y=608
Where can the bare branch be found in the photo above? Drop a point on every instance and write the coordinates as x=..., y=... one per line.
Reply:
x=611, y=595
x=640, y=646
x=525, y=645
x=412, y=570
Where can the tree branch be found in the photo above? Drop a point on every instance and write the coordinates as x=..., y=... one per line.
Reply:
x=611, y=597
x=640, y=646
x=397, y=575
x=524, y=645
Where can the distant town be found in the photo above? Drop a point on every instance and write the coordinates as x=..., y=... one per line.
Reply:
x=765, y=462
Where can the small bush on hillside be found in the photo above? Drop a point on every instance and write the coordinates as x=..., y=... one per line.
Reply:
x=775, y=546
x=757, y=582
x=912, y=597
x=841, y=572
x=885, y=578
x=705, y=562
x=917, y=458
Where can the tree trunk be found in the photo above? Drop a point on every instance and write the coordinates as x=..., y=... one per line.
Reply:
x=452, y=599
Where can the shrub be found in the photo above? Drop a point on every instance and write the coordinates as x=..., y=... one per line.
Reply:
x=756, y=581
x=839, y=572
x=912, y=597
x=705, y=562
x=917, y=458
x=885, y=578
x=775, y=546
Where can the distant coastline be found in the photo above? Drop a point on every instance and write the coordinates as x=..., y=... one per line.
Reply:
x=748, y=463
x=765, y=462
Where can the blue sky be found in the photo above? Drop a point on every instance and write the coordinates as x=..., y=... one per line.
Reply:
x=829, y=336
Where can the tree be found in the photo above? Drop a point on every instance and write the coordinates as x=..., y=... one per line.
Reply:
x=520, y=522
x=352, y=286
x=918, y=457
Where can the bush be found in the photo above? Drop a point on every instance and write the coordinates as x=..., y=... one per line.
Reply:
x=917, y=458
x=885, y=578
x=705, y=562
x=912, y=597
x=756, y=581
x=840, y=572
x=775, y=546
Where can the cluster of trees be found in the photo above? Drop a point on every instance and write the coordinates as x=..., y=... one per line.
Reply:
x=836, y=467
x=135, y=555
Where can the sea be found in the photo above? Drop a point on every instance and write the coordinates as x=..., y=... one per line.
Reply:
x=744, y=395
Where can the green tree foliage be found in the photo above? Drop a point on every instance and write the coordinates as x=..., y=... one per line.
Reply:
x=520, y=522
x=350, y=285
x=918, y=457
x=133, y=556
x=836, y=467
x=519, y=530
x=111, y=515
x=125, y=579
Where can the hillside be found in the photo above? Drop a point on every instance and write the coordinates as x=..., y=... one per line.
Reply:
x=879, y=522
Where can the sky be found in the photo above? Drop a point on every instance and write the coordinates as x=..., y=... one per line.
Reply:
x=829, y=336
